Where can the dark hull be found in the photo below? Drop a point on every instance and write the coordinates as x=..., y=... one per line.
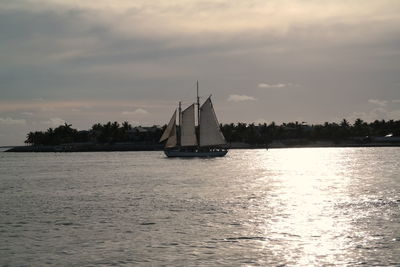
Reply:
x=195, y=153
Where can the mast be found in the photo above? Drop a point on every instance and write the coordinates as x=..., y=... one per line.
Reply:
x=180, y=123
x=198, y=112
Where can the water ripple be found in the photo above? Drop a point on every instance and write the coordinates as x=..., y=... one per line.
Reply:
x=284, y=207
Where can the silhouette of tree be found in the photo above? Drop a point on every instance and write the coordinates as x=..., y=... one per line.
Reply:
x=112, y=132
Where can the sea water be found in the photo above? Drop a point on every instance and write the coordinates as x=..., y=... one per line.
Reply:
x=303, y=207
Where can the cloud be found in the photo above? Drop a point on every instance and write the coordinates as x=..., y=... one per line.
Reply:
x=266, y=85
x=375, y=114
x=47, y=108
x=216, y=16
x=10, y=121
x=59, y=105
x=27, y=113
x=381, y=103
x=396, y=100
x=54, y=121
x=240, y=98
x=138, y=111
x=277, y=85
x=260, y=121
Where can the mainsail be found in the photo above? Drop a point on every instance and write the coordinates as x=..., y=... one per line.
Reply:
x=170, y=132
x=188, y=132
x=210, y=133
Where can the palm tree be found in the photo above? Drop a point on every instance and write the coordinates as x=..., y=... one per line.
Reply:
x=344, y=123
x=30, y=138
x=126, y=126
x=360, y=128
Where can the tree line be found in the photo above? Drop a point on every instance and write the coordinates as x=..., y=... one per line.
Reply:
x=113, y=132
x=335, y=132
x=108, y=133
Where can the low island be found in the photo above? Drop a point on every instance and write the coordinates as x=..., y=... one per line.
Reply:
x=113, y=136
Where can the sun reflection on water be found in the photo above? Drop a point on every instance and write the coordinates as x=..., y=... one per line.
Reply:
x=309, y=184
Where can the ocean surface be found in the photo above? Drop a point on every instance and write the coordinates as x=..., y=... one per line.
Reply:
x=281, y=207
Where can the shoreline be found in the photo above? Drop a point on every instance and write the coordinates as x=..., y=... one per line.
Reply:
x=155, y=147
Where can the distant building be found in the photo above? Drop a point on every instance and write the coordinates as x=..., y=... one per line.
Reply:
x=141, y=133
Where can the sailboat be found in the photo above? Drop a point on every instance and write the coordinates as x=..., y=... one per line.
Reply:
x=184, y=141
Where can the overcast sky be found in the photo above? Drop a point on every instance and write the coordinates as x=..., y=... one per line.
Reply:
x=85, y=62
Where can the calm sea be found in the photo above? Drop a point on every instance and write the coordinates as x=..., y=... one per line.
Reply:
x=303, y=207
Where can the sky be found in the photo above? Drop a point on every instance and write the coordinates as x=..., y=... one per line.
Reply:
x=84, y=62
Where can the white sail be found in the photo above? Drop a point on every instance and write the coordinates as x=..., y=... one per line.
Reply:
x=172, y=140
x=188, y=132
x=171, y=127
x=210, y=133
